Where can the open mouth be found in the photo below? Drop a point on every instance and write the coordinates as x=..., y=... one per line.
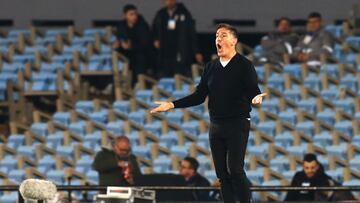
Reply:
x=218, y=46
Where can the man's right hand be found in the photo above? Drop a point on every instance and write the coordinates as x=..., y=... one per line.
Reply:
x=157, y=44
x=116, y=44
x=163, y=106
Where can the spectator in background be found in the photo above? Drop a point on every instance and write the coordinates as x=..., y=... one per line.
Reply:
x=313, y=175
x=278, y=43
x=315, y=42
x=134, y=41
x=117, y=166
x=175, y=39
x=188, y=169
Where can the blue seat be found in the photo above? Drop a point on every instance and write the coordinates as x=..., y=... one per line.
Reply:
x=115, y=127
x=27, y=151
x=261, y=151
x=191, y=127
x=91, y=32
x=11, y=197
x=313, y=81
x=276, y=81
x=338, y=150
x=54, y=32
x=349, y=81
x=62, y=117
x=323, y=139
x=327, y=116
x=337, y=174
x=267, y=127
x=203, y=140
x=85, y=162
x=330, y=94
x=17, y=175
x=169, y=139
x=335, y=30
x=23, y=58
x=15, y=33
x=46, y=163
x=66, y=151
x=83, y=41
x=177, y=94
x=93, y=139
x=345, y=127
x=78, y=127
x=34, y=49
x=355, y=162
x=9, y=162
x=256, y=177
x=175, y=116
x=54, y=140
x=163, y=163
x=308, y=105
x=271, y=105
x=353, y=40
x=145, y=95
x=16, y=140
x=100, y=116
x=121, y=106
x=205, y=162
x=43, y=41
x=85, y=106
x=289, y=116
x=138, y=116
x=51, y=67
x=260, y=71
x=68, y=57
x=210, y=175
x=254, y=115
x=330, y=69
x=56, y=176
x=143, y=151
x=298, y=150
x=168, y=84
x=347, y=105
x=197, y=109
x=293, y=94
x=181, y=151
x=93, y=177
x=306, y=127
x=288, y=175
x=40, y=129
x=154, y=127
x=293, y=69
x=68, y=49
x=284, y=139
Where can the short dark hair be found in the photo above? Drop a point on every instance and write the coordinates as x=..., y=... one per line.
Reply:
x=231, y=28
x=129, y=7
x=315, y=15
x=281, y=19
x=194, y=164
x=121, y=138
x=310, y=157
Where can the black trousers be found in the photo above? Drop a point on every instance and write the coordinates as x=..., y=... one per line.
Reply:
x=228, y=140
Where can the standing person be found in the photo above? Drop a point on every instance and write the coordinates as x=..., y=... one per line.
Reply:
x=134, y=41
x=231, y=84
x=175, y=39
x=188, y=169
x=117, y=166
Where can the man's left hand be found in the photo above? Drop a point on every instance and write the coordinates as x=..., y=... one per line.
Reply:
x=258, y=98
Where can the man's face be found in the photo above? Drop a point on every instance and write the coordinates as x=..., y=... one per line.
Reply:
x=170, y=4
x=122, y=148
x=225, y=42
x=131, y=16
x=313, y=24
x=310, y=168
x=283, y=26
x=186, y=170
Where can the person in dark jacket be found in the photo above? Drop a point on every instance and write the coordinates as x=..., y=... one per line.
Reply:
x=278, y=43
x=134, y=41
x=175, y=38
x=117, y=166
x=188, y=169
x=313, y=175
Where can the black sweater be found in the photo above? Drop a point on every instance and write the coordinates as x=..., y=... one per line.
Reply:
x=230, y=89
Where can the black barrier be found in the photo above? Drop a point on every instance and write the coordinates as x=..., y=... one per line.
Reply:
x=252, y=188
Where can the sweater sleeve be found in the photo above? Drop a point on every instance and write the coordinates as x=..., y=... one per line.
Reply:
x=104, y=162
x=196, y=97
x=251, y=82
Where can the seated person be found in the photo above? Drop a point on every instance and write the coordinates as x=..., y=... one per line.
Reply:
x=313, y=175
x=188, y=169
x=116, y=165
x=278, y=43
x=315, y=42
